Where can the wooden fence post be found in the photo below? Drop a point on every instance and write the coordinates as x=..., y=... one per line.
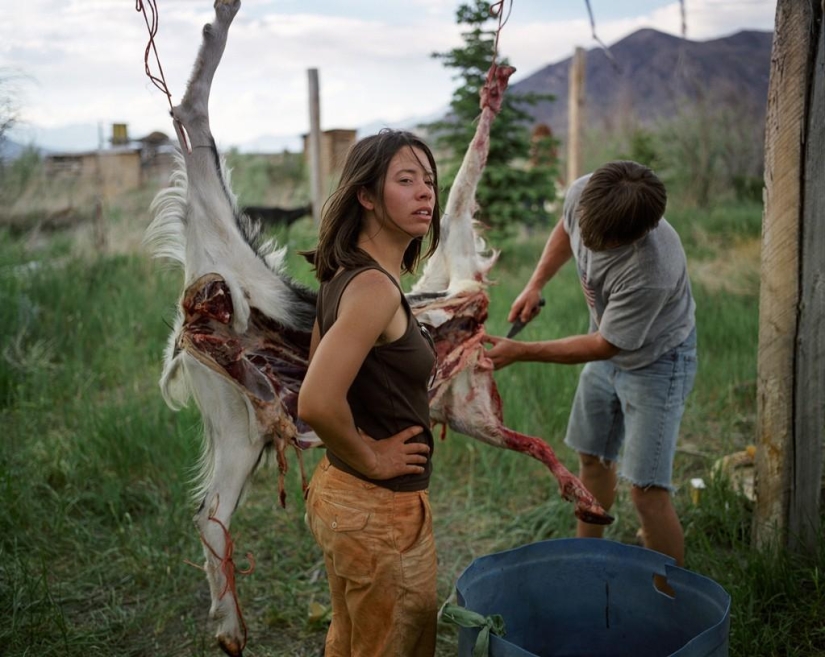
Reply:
x=791, y=358
x=575, y=109
x=315, y=144
x=809, y=427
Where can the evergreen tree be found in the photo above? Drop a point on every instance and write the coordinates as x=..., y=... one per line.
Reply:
x=518, y=180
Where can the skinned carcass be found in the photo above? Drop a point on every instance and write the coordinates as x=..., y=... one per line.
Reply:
x=240, y=342
x=464, y=394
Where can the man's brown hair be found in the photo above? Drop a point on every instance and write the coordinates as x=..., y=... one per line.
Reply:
x=621, y=202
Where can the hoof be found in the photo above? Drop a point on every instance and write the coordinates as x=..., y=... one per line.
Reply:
x=231, y=7
x=230, y=646
x=593, y=518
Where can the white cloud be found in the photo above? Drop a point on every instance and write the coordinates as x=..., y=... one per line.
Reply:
x=86, y=56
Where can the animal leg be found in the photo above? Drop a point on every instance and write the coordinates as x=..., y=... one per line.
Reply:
x=208, y=194
x=193, y=112
x=587, y=508
x=212, y=237
x=232, y=450
x=235, y=459
x=471, y=405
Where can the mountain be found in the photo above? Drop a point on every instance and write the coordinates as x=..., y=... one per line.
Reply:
x=654, y=75
x=66, y=138
x=10, y=150
x=271, y=144
x=294, y=143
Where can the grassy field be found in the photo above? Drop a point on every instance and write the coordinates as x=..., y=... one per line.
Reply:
x=95, y=521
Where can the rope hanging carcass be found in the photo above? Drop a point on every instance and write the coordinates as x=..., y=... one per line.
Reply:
x=158, y=80
x=497, y=11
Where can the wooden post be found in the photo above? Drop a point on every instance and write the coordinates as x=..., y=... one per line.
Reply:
x=315, y=144
x=791, y=358
x=575, y=109
x=806, y=489
x=98, y=225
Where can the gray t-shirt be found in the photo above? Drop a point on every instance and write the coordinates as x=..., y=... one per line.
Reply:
x=638, y=294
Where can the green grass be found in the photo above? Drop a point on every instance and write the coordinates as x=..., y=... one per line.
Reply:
x=96, y=521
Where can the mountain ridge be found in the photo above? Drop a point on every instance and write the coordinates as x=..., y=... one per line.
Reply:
x=654, y=75
x=658, y=73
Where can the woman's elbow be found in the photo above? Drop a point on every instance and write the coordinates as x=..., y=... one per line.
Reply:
x=307, y=411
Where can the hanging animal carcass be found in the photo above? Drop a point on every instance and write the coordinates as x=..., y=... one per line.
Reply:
x=239, y=345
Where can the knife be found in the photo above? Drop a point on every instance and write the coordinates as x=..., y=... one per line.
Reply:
x=518, y=324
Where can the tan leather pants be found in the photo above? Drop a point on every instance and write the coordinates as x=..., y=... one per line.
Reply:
x=381, y=563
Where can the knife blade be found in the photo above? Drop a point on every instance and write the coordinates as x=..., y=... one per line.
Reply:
x=518, y=324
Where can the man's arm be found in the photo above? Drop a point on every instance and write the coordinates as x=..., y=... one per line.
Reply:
x=557, y=251
x=570, y=351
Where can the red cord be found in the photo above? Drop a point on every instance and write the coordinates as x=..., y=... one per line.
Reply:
x=228, y=568
x=159, y=82
x=497, y=11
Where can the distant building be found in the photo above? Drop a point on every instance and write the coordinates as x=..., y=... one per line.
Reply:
x=127, y=165
x=72, y=187
x=334, y=146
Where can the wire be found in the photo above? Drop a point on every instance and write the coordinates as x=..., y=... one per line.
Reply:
x=152, y=26
x=599, y=41
x=158, y=80
x=497, y=11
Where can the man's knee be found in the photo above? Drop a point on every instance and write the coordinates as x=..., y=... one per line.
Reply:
x=594, y=463
x=651, y=500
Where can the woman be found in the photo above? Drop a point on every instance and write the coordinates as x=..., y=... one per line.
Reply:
x=365, y=395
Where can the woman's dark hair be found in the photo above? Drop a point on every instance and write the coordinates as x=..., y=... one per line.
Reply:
x=621, y=202
x=365, y=168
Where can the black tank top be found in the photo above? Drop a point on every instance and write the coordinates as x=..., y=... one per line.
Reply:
x=390, y=391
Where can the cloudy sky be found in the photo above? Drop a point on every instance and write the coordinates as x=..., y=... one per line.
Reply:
x=77, y=66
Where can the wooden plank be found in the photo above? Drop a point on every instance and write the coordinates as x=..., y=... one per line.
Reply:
x=809, y=426
x=779, y=289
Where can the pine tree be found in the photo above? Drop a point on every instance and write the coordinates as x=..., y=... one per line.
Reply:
x=518, y=180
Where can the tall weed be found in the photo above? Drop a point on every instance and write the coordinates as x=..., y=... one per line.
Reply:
x=95, y=525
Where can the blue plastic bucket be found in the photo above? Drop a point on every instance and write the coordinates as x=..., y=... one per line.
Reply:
x=587, y=597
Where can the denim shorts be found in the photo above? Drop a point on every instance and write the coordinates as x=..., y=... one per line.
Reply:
x=640, y=409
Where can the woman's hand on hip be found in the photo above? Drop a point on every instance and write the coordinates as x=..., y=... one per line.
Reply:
x=394, y=456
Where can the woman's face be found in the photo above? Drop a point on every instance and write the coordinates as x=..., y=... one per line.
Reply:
x=409, y=194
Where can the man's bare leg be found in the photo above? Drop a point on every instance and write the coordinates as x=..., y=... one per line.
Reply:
x=599, y=477
x=661, y=529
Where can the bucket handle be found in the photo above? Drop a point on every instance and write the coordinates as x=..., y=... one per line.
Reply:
x=464, y=617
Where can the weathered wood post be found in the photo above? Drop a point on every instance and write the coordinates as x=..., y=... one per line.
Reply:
x=575, y=109
x=315, y=144
x=99, y=226
x=791, y=359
